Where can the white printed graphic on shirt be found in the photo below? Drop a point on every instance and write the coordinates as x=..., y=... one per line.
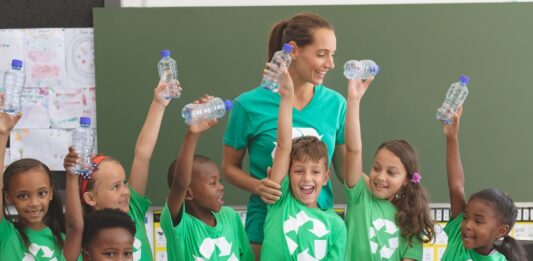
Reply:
x=39, y=253
x=319, y=230
x=387, y=230
x=209, y=245
x=299, y=132
x=137, y=250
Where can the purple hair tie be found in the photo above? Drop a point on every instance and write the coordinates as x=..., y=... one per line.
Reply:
x=415, y=179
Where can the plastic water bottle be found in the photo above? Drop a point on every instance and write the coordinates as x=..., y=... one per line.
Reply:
x=168, y=72
x=281, y=59
x=214, y=109
x=363, y=69
x=13, y=84
x=83, y=142
x=455, y=98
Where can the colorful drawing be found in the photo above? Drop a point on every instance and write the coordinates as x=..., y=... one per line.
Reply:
x=47, y=145
x=45, y=57
x=34, y=109
x=79, y=44
x=65, y=107
x=10, y=48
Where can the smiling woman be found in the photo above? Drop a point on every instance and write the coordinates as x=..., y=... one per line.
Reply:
x=253, y=121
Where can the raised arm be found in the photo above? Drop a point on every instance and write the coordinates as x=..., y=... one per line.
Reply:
x=353, y=170
x=73, y=210
x=280, y=166
x=454, y=167
x=184, y=163
x=7, y=122
x=147, y=140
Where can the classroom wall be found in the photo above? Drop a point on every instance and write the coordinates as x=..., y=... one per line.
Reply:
x=421, y=49
x=169, y=3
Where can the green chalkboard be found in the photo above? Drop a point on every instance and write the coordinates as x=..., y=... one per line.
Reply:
x=421, y=49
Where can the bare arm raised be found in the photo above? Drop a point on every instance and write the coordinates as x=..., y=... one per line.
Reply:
x=281, y=162
x=147, y=140
x=184, y=163
x=7, y=122
x=73, y=210
x=353, y=170
x=454, y=167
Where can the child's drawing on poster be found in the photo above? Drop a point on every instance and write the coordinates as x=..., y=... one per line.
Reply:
x=65, y=107
x=45, y=57
x=48, y=145
x=89, y=104
x=79, y=56
x=34, y=109
x=10, y=48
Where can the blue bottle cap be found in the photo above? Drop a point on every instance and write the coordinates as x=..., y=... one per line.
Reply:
x=229, y=105
x=376, y=69
x=464, y=79
x=16, y=63
x=165, y=53
x=85, y=120
x=287, y=48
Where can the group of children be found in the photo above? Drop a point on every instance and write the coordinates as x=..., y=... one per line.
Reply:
x=387, y=211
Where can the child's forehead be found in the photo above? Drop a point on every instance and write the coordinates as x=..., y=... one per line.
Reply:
x=113, y=235
x=482, y=207
x=307, y=161
x=205, y=171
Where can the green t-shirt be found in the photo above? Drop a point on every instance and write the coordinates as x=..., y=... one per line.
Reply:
x=252, y=124
x=42, y=244
x=372, y=230
x=192, y=239
x=294, y=231
x=138, y=207
x=456, y=251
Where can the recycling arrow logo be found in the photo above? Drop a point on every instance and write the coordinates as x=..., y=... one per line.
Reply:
x=40, y=252
x=296, y=133
x=208, y=246
x=319, y=230
x=386, y=229
x=137, y=250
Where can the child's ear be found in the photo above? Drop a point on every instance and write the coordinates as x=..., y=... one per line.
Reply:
x=326, y=177
x=188, y=194
x=89, y=198
x=86, y=255
x=502, y=231
x=8, y=198
x=51, y=193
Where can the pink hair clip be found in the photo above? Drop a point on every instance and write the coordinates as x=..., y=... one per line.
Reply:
x=415, y=179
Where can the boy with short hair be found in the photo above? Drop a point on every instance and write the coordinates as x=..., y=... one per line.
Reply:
x=108, y=233
x=295, y=228
x=195, y=223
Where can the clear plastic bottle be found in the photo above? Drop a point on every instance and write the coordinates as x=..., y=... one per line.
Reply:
x=280, y=59
x=83, y=141
x=168, y=72
x=214, y=109
x=363, y=69
x=14, y=79
x=455, y=98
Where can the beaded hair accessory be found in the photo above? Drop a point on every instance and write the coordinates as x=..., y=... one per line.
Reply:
x=416, y=178
x=86, y=178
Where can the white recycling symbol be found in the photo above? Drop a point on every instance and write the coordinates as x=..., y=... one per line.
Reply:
x=208, y=246
x=35, y=249
x=385, y=251
x=137, y=250
x=299, y=132
x=319, y=230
